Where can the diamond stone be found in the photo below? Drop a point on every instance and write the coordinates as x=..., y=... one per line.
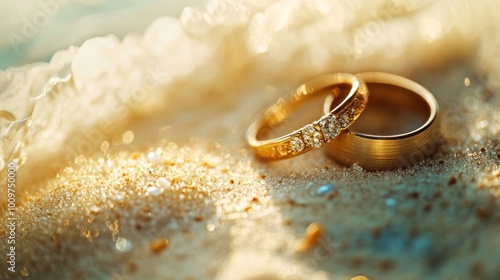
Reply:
x=282, y=150
x=344, y=119
x=352, y=111
x=329, y=127
x=296, y=144
x=357, y=102
x=312, y=137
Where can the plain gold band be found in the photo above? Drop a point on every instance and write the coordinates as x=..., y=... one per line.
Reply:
x=312, y=135
x=383, y=152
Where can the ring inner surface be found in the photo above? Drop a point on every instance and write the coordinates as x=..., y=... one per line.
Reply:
x=391, y=111
x=297, y=113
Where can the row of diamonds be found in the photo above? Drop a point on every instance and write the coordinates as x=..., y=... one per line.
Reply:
x=316, y=134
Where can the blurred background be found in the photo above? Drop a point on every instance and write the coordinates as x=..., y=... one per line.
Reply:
x=33, y=31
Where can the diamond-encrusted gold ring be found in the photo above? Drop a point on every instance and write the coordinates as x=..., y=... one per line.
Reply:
x=399, y=127
x=314, y=135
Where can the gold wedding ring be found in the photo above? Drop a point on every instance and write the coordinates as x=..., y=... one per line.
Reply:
x=319, y=132
x=397, y=129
